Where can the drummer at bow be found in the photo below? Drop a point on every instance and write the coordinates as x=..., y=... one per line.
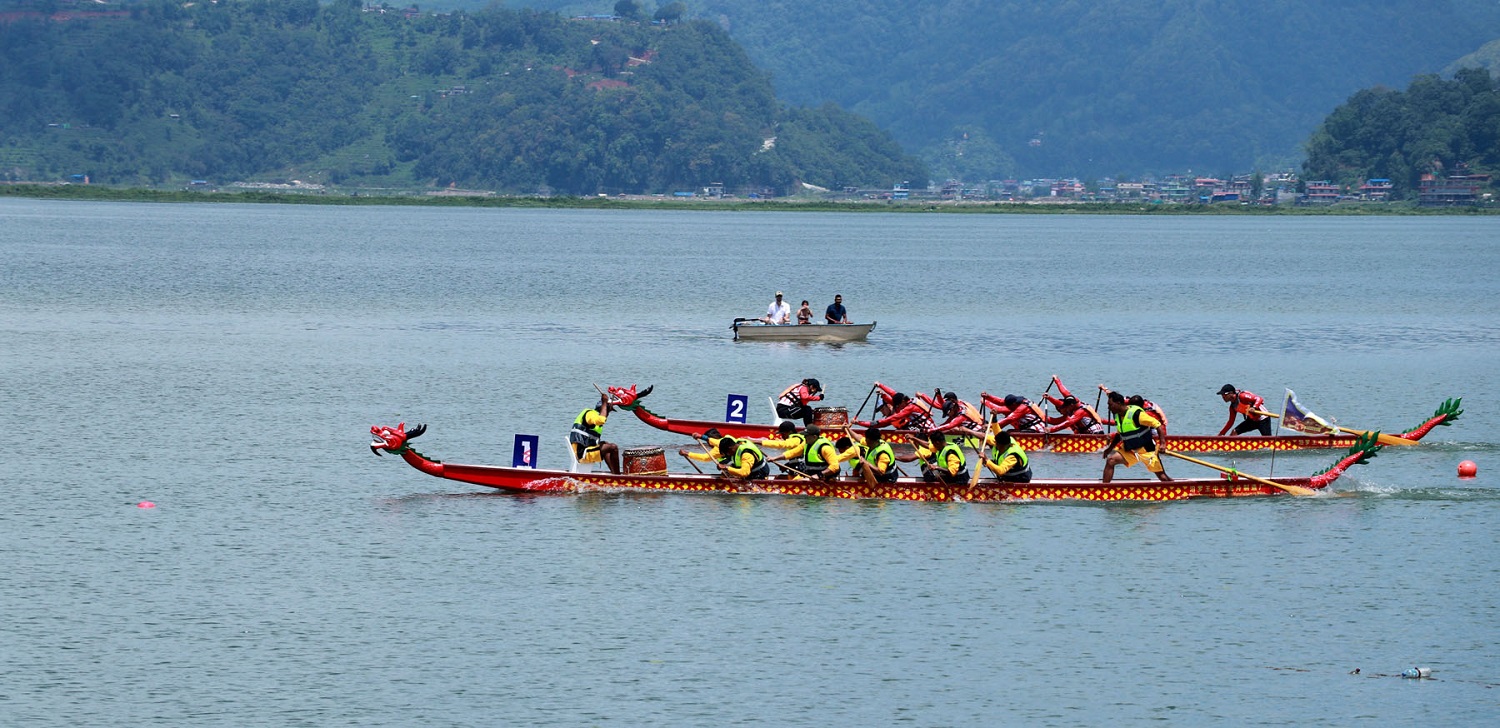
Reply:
x=795, y=402
x=587, y=436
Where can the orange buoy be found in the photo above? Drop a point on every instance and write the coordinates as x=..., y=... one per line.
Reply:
x=1467, y=469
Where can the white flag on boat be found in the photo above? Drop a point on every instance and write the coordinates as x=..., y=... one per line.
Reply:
x=1296, y=417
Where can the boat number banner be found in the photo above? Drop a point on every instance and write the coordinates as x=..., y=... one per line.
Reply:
x=735, y=409
x=524, y=455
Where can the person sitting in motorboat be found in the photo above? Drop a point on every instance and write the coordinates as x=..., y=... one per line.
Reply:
x=836, y=313
x=804, y=314
x=794, y=402
x=587, y=437
x=779, y=312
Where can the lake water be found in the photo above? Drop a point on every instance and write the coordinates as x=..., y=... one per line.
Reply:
x=226, y=363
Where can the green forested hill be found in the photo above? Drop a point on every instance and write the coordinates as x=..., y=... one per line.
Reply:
x=988, y=88
x=160, y=91
x=1433, y=126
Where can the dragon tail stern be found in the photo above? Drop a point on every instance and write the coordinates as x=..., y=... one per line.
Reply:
x=1366, y=446
x=1445, y=415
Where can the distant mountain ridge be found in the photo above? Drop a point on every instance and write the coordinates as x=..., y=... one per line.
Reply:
x=506, y=100
x=988, y=88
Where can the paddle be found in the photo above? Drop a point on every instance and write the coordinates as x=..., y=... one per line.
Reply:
x=979, y=464
x=791, y=470
x=1380, y=437
x=692, y=463
x=1108, y=422
x=861, y=409
x=1047, y=431
x=1293, y=489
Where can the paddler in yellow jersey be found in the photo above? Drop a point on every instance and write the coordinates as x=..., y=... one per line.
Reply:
x=943, y=461
x=741, y=459
x=587, y=437
x=822, y=457
x=875, y=460
x=1134, y=439
x=1006, y=459
x=788, y=440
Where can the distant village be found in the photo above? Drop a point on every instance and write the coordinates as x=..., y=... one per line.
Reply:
x=1283, y=188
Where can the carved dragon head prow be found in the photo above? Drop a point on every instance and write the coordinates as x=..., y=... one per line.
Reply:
x=626, y=399
x=393, y=439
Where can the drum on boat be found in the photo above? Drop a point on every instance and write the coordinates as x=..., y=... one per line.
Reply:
x=644, y=461
x=831, y=416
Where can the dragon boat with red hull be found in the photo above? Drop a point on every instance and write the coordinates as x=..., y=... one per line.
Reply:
x=527, y=480
x=1067, y=442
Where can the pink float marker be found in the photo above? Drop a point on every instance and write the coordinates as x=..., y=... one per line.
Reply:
x=145, y=504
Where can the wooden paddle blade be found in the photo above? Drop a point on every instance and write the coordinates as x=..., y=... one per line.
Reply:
x=1293, y=489
x=1383, y=438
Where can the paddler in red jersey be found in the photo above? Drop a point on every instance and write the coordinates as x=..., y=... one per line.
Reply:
x=906, y=414
x=960, y=417
x=883, y=406
x=1248, y=404
x=1072, y=415
x=1132, y=441
x=1022, y=415
x=794, y=402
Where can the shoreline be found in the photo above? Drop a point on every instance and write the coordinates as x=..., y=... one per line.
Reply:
x=135, y=194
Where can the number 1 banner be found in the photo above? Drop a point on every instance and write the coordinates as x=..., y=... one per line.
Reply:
x=524, y=455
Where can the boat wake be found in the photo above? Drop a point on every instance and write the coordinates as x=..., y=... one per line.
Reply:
x=1380, y=489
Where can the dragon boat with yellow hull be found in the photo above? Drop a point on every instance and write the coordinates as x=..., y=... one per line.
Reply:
x=1077, y=443
x=528, y=480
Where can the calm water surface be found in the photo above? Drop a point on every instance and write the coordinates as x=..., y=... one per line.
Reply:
x=226, y=363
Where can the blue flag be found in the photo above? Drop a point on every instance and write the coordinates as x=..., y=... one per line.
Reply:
x=524, y=456
x=1296, y=417
x=735, y=409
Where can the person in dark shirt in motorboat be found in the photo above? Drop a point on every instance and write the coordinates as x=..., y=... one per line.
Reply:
x=836, y=313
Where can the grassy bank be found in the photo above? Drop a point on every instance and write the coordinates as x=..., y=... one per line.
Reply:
x=118, y=194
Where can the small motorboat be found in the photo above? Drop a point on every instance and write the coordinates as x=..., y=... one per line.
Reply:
x=755, y=330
